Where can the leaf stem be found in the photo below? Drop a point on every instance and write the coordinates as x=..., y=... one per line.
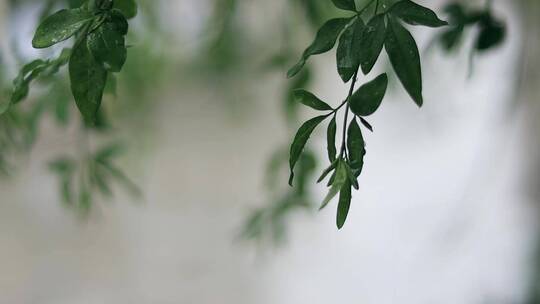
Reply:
x=343, y=138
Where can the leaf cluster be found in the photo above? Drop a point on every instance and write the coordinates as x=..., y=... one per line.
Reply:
x=360, y=41
x=79, y=179
x=99, y=28
x=491, y=30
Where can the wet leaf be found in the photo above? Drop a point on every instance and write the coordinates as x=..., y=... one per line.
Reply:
x=88, y=80
x=60, y=26
x=403, y=53
x=310, y=100
x=348, y=50
x=356, y=146
x=324, y=41
x=367, y=99
x=372, y=42
x=300, y=141
x=343, y=204
x=416, y=14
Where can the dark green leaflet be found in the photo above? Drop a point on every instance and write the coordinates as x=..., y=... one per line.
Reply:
x=300, y=141
x=338, y=181
x=367, y=99
x=120, y=22
x=372, y=42
x=331, y=139
x=21, y=84
x=343, y=204
x=348, y=50
x=107, y=46
x=60, y=26
x=310, y=100
x=324, y=41
x=88, y=80
x=405, y=59
x=127, y=7
x=64, y=168
x=492, y=33
x=366, y=124
x=452, y=37
x=345, y=4
x=31, y=71
x=416, y=14
x=356, y=146
x=352, y=177
x=327, y=171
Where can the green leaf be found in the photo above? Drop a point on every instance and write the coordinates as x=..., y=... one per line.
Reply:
x=356, y=146
x=31, y=71
x=491, y=34
x=331, y=139
x=345, y=4
x=60, y=26
x=21, y=84
x=366, y=124
x=119, y=176
x=107, y=46
x=352, y=177
x=343, y=204
x=405, y=59
x=310, y=100
x=367, y=99
x=324, y=41
x=451, y=38
x=127, y=7
x=119, y=20
x=88, y=80
x=416, y=14
x=300, y=141
x=372, y=42
x=348, y=50
x=108, y=152
x=327, y=171
x=339, y=180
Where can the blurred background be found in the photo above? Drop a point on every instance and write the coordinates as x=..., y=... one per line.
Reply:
x=199, y=210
